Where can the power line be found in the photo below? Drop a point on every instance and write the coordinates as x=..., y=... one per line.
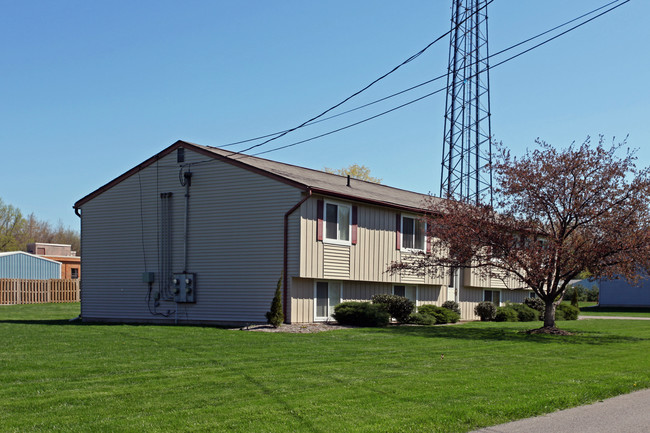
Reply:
x=309, y=123
x=410, y=59
x=444, y=88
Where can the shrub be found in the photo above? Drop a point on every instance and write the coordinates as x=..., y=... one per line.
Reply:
x=275, y=317
x=398, y=307
x=451, y=305
x=559, y=314
x=525, y=313
x=535, y=304
x=485, y=310
x=576, y=291
x=441, y=315
x=506, y=314
x=574, y=300
x=422, y=319
x=568, y=311
x=361, y=314
x=592, y=294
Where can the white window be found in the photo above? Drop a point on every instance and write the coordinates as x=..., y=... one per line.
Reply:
x=532, y=295
x=327, y=295
x=493, y=296
x=413, y=233
x=409, y=292
x=337, y=223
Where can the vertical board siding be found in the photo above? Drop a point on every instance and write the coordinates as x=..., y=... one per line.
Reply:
x=21, y=265
x=235, y=242
x=364, y=291
x=369, y=258
x=476, y=278
x=471, y=296
x=302, y=299
x=619, y=292
x=430, y=295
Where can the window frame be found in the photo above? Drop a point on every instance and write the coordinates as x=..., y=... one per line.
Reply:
x=337, y=241
x=330, y=309
x=492, y=296
x=424, y=235
x=406, y=287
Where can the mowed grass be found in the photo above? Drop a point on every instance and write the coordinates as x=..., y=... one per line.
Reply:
x=595, y=310
x=57, y=375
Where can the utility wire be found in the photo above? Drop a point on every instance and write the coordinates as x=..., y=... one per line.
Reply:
x=410, y=59
x=445, y=88
x=309, y=123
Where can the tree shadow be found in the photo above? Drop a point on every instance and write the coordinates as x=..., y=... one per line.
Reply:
x=468, y=332
x=79, y=322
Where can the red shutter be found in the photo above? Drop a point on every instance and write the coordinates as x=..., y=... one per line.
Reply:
x=354, y=225
x=319, y=227
x=428, y=244
x=398, y=229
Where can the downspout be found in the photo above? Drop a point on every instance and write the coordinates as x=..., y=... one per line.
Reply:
x=77, y=212
x=285, y=266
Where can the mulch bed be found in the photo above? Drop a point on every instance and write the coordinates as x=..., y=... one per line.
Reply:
x=296, y=328
x=550, y=331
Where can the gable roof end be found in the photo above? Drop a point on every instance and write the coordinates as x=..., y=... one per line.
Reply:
x=317, y=181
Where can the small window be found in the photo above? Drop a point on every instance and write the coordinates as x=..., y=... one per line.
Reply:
x=409, y=292
x=337, y=222
x=40, y=251
x=532, y=295
x=74, y=273
x=493, y=296
x=413, y=232
x=327, y=296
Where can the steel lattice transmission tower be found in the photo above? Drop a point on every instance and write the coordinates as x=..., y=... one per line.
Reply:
x=467, y=148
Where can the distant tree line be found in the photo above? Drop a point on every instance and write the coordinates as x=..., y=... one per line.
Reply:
x=16, y=231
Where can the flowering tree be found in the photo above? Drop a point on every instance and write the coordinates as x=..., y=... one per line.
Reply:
x=557, y=213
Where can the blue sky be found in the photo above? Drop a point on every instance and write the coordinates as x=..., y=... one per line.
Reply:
x=91, y=89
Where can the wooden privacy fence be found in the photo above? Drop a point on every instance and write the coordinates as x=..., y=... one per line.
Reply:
x=38, y=291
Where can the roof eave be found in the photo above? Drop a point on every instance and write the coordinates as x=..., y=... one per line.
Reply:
x=170, y=149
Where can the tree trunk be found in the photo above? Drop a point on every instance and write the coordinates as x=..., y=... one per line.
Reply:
x=549, y=315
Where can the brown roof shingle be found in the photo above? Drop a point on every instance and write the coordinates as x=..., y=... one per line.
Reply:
x=305, y=178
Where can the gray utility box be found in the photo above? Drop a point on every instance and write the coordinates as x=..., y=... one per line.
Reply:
x=184, y=287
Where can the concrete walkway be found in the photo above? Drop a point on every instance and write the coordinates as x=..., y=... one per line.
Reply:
x=629, y=413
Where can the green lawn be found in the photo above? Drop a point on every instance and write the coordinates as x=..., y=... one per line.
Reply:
x=595, y=310
x=57, y=375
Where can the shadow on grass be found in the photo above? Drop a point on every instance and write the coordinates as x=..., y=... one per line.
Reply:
x=77, y=322
x=596, y=308
x=469, y=332
x=455, y=332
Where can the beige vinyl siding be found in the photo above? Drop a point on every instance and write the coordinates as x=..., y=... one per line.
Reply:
x=368, y=260
x=336, y=261
x=302, y=299
x=431, y=295
x=364, y=291
x=235, y=243
x=477, y=278
x=471, y=296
